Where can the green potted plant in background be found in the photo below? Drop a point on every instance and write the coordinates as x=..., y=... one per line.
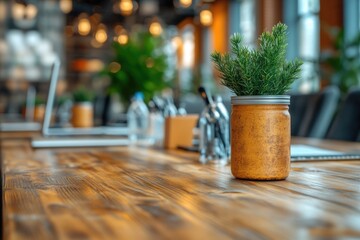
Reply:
x=260, y=120
x=342, y=66
x=138, y=66
x=39, y=109
x=82, y=110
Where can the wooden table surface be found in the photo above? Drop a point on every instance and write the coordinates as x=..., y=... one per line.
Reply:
x=135, y=193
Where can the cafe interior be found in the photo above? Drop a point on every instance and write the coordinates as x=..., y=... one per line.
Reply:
x=180, y=119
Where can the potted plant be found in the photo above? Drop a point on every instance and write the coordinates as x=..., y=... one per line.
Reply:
x=341, y=66
x=82, y=110
x=138, y=66
x=39, y=109
x=260, y=120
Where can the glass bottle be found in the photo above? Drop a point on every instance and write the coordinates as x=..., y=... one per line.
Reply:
x=138, y=119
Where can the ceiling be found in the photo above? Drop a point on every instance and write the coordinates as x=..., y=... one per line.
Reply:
x=163, y=9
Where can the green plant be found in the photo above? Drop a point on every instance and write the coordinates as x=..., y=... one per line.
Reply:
x=82, y=95
x=342, y=66
x=39, y=101
x=141, y=67
x=262, y=71
x=62, y=99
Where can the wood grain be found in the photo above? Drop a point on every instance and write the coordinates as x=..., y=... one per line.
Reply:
x=134, y=193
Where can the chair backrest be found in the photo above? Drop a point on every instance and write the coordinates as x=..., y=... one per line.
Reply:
x=346, y=125
x=297, y=109
x=312, y=113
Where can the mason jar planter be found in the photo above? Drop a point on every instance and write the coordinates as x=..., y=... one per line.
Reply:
x=39, y=112
x=260, y=137
x=82, y=115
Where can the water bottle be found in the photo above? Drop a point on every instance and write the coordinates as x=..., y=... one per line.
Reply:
x=156, y=125
x=138, y=119
x=170, y=109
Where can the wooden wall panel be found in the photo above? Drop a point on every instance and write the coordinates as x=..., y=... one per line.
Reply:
x=270, y=14
x=331, y=15
x=220, y=26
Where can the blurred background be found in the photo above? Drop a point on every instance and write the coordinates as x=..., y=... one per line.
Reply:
x=115, y=48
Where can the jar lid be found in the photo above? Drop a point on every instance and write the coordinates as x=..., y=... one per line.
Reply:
x=260, y=99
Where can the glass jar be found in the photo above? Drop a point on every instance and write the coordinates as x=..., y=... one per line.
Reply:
x=260, y=137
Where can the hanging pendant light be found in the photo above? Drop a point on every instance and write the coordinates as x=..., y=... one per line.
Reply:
x=121, y=35
x=84, y=26
x=206, y=17
x=185, y=3
x=24, y=15
x=155, y=27
x=123, y=38
x=66, y=6
x=126, y=7
x=31, y=11
x=101, y=35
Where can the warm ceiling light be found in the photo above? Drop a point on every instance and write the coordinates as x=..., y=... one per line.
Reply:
x=31, y=11
x=101, y=35
x=123, y=38
x=18, y=11
x=66, y=6
x=84, y=26
x=206, y=17
x=126, y=7
x=155, y=28
x=185, y=3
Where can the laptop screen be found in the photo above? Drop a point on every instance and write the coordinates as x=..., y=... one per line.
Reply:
x=55, y=71
x=67, y=129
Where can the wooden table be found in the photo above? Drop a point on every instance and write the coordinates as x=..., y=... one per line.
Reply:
x=134, y=193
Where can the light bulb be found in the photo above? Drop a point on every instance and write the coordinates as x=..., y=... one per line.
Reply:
x=126, y=7
x=155, y=28
x=84, y=26
x=185, y=3
x=31, y=11
x=66, y=6
x=123, y=39
x=101, y=35
x=18, y=11
x=206, y=17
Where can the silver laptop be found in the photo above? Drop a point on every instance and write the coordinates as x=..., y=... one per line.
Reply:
x=17, y=123
x=300, y=152
x=75, y=137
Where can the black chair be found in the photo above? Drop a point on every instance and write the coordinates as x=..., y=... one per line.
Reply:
x=346, y=125
x=312, y=113
x=297, y=109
